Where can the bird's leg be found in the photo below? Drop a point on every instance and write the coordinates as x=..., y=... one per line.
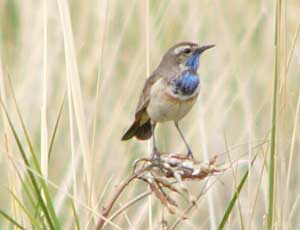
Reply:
x=190, y=154
x=155, y=153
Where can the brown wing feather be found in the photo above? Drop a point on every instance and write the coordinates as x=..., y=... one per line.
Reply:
x=141, y=127
x=145, y=95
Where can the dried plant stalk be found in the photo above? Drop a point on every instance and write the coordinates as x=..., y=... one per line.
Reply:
x=166, y=173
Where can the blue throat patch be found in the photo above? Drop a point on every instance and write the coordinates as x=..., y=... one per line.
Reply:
x=188, y=81
x=186, y=84
x=193, y=62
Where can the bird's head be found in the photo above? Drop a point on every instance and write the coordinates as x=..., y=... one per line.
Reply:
x=185, y=54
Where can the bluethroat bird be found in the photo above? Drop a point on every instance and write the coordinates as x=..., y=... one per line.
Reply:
x=169, y=93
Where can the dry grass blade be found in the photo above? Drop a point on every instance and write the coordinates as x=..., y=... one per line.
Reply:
x=75, y=96
x=44, y=126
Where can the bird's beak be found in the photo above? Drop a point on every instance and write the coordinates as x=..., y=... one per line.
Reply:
x=201, y=49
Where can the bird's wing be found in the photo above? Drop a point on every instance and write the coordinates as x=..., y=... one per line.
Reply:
x=145, y=95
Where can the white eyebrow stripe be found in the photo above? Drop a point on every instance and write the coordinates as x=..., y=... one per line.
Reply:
x=180, y=48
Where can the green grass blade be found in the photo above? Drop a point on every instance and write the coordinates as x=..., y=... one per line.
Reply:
x=11, y=220
x=49, y=203
x=55, y=129
x=26, y=186
x=25, y=210
x=233, y=200
x=274, y=112
x=34, y=158
x=35, y=161
x=26, y=161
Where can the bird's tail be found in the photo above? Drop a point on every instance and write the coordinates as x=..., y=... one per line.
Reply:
x=141, y=132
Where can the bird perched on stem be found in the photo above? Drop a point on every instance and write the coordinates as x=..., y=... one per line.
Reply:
x=169, y=93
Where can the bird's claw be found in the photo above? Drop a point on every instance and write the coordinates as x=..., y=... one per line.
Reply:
x=190, y=154
x=156, y=158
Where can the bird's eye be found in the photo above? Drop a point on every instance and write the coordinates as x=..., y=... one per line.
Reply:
x=187, y=51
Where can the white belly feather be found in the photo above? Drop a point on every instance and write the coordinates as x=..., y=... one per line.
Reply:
x=166, y=106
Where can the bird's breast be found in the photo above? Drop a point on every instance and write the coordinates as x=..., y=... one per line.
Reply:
x=166, y=105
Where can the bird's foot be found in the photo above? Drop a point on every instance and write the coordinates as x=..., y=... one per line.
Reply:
x=190, y=154
x=155, y=157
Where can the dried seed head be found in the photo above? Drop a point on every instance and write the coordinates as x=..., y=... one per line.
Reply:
x=171, y=170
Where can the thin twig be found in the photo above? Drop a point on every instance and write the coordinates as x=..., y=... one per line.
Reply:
x=188, y=209
x=109, y=207
x=130, y=203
